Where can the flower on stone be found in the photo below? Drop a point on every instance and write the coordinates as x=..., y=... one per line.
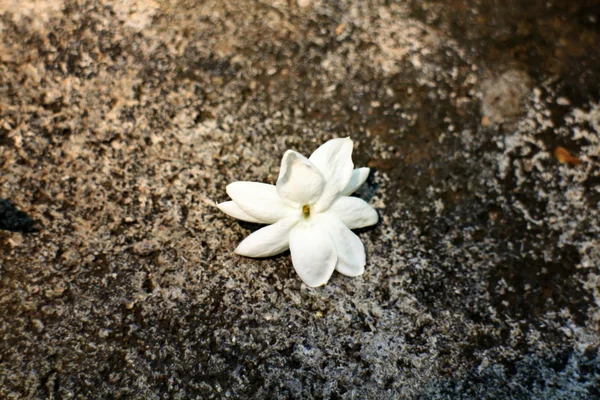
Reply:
x=309, y=210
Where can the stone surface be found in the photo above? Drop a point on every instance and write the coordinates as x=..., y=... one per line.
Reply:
x=121, y=122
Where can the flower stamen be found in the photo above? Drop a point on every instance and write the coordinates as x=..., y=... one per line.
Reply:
x=306, y=211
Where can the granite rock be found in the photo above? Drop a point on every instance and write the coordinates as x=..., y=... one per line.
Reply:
x=121, y=123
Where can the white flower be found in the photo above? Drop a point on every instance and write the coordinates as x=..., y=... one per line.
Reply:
x=310, y=213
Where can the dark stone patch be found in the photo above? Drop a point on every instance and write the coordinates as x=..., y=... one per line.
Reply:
x=535, y=286
x=13, y=220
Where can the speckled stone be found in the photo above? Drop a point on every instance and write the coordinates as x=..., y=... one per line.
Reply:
x=121, y=123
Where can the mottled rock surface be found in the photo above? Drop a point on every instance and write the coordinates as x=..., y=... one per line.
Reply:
x=121, y=122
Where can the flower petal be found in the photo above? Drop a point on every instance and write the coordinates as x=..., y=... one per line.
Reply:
x=354, y=212
x=359, y=176
x=313, y=253
x=299, y=182
x=258, y=200
x=350, y=250
x=334, y=160
x=233, y=210
x=267, y=241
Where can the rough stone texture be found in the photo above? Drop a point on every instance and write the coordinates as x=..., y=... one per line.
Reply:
x=121, y=122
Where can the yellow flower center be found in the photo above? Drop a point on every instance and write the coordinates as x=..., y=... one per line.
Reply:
x=306, y=211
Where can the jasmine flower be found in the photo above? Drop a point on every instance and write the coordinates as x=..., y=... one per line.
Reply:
x=308, y=211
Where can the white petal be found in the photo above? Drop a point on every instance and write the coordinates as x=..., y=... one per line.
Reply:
x=350, y=250
x=267, y=241
x=233, y=210
x=334, y=160
x=354, y=212
x=313, y=253
x=299, y=181
x=258, y=200
x=359, y=176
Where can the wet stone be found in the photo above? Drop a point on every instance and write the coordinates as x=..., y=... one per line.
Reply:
x=121, y=124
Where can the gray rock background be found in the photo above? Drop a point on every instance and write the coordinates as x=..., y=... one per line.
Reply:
x=121, y=122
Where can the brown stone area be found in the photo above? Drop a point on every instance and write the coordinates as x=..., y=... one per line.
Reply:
x=121, y=123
